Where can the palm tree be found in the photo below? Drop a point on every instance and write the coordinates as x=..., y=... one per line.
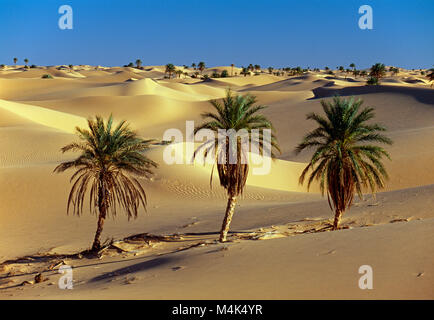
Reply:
x=244, y=71
x=270, y=70
x=15, y=61
x=234, y=112
x=138, y=63
x=353, y=66
x=193, y=66
x=179, y=73
x=111, y=158
x=170, y=68
x=201, y=66
x=26, y=61
x=430, y=76
x=342, y=163
x=232, y=70
x=378, y=71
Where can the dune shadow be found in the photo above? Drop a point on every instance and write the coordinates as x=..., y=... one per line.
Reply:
x=423, y=95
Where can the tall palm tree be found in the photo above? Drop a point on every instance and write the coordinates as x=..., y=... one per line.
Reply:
x=342, y=162
x=26, y=61
x=378, y=71
x=234, y=112
x=201, y=66
x=110, y=161
x=179, y=73
x=353, y=66
x=170, y=68
x=430, y=76
x=193, y=66
x=138, y=63
x=232, y=70
x=15, y=61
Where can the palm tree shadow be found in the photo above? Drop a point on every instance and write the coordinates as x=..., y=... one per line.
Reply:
x=138, y=267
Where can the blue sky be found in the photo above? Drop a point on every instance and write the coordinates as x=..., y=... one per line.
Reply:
x=220, y=32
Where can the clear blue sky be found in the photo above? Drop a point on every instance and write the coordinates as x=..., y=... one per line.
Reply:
x=314, y=33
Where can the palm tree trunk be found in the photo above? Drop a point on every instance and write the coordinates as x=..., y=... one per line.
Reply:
x=338, y=215
x=230, y=209
x=97, y=242
x=101, y=217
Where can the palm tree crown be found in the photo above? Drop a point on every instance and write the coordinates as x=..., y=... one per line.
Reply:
x=110, y=161
x=378, y=70
x=170, y=68
x=235, y=112
x=342, y=161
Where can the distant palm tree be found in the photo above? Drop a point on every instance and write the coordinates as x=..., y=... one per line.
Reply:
x=356, y=73
x=244, y=71
x=257, y=67
x=342, y=163
x=341, y=68
x=15, y=61
x=326, y=68
x=193, y=65
x=270, y=70
x=201, y=66
x=430, y=76
x=232, y=70
x=234, y=112
x=138, y=63
x=353, y=66
x=170, y=68
x=26, y=61
x=110, y=160
x=363, y=73
x=179, y=73
x=378, y=71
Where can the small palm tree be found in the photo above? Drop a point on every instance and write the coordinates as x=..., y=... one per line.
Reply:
x=232, y=70
x=342, y=163
x=378, y=71
x=353, y=66
x=26, y=61
x=138, y=63
x=15, y=61
x=244, y=71
x=270, y=70
x=193, y=65
x=201, y=66
x=179, y=73
x=170, y=68
x=110, y=160
x=237, y=113
x=430, y=76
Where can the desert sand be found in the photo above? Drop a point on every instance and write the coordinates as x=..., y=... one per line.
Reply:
x=278, y=248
